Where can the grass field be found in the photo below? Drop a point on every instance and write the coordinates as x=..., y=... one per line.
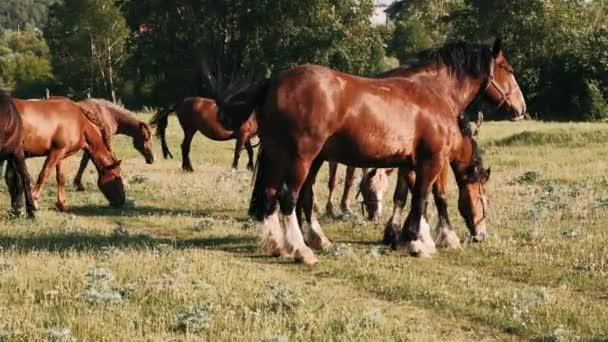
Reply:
x=180, y=263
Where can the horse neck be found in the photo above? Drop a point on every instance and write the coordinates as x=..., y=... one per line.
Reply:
x=126, y=125
x=464, y=157
x=96, y=148
x=459, y=92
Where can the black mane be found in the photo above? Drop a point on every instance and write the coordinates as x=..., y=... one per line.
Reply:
x=462, y=58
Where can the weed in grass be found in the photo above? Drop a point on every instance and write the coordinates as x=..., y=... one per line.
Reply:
x=58, y=335
x=204, y=224
x=139, y=179
x=6, y=267
x=195, y=318
x=283, y=299
x=7, y=334
x=528, y=177
x=339, y=250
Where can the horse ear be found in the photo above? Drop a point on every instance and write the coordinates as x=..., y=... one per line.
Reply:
x=389, y=171
x=497, y=48
x=152, y=126
x=116, y=164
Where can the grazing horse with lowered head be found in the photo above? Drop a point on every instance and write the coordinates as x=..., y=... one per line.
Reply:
x=197, y=114
x=59, y=128
x=117, y=120
x=309, y=114
x=11, y=150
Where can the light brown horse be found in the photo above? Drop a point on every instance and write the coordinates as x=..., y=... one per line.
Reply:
x=197, y=114
x=310, y=113
x=11, y=150
x=117, y=120
x=57, y=129
x=349, y=179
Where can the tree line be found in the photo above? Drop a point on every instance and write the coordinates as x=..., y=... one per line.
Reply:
x=149, y=52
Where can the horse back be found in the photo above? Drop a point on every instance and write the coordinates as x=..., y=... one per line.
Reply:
x=201, y=114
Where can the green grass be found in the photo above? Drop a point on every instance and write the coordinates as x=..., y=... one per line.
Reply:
x=181, y=262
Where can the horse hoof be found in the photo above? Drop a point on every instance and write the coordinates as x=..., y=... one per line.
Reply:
x=78, y=186
x=448, y=239
x=62, y=207
x=390, y=234
x=318, y=243
x=419, y=249
x=329, y=211
x=307, y=257
x=188, y=168
x=271, y=247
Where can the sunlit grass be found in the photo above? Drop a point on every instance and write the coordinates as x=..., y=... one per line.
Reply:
x=181, y=263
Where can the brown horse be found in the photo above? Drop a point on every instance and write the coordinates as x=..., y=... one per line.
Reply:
x=349, y=179
x=58, y=128
x=11, y=150
x=197, y=114
x=117, y=120
x=310, y=113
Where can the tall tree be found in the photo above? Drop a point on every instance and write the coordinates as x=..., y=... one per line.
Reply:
x=171, y=37
x=24, y=62
x=17, y=14
x=87, y=38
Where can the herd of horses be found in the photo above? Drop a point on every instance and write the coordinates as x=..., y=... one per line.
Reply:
x=410, y=119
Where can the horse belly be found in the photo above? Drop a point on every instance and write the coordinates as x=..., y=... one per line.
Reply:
x=368, y=150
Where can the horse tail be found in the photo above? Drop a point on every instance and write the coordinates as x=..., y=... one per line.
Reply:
x=161, y=120
x=257, y=204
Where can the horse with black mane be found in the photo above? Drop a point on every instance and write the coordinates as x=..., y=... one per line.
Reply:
x=197, y=114
x=309, y=114
x=11, y=150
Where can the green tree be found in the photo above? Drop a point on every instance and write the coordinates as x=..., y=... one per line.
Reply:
x=554, y=47
x=17, y=14
x=171, y=37
x=87, y=38
x=24, y=62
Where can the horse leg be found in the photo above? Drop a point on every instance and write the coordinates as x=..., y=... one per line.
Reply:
x=348, y=184
x=52, y=159
x=237, y=152
x=15, y=189
x=264, y=204
x=186, y=143
x=83, y=165
x=313, y=234
x=416, y=236
x=446, y=235
x=249, y=149
x=60, y=204
x=297, y=173
x=21, y=168
x=331, y=185
x=405, y=181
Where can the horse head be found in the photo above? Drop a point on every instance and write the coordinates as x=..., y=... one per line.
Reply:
x=111, y=184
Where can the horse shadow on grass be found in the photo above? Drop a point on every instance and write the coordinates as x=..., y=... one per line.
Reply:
x=144, y=210
x=83, y=242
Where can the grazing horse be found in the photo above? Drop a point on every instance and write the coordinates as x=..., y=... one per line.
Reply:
x=11, y=150
x=200, y=114
x=374, y=183
x=406, y=179
x=309, y=114
x=57, y=129
x=349, y=179
x=117, y=120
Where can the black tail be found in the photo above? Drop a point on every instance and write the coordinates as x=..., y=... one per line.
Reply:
x=258, y=205
x=237, y=112
x=161, y=120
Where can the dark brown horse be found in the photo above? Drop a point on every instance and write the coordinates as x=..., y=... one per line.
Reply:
x=309, y=114
x=197, y=114
x=57, y=129
x=117, y=120
x=11, y=150
x=372, y=190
